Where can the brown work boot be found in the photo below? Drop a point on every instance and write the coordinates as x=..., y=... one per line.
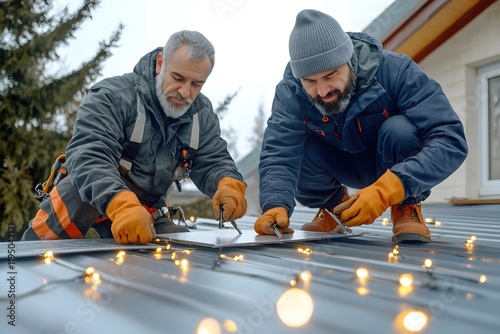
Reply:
x=323, y=222
x=409, y=225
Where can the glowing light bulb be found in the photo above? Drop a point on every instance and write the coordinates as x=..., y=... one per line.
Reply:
x=295, y=307
x=184, y=263
x=306, y=251
x=473, y=238
x=48, y=256
x=406, y=279
x=362, y=273
x=293, y=282
x=89, y=270
x=415, y=321
x=385, y=221
x=428, y=263
x=437, y=223
x=230, y=326
x=305, y=276
x=158, y=250
x=482, y=279
x=395, y=250
x=208, y=326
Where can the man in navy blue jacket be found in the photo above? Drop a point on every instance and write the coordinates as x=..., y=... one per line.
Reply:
x=348, y=113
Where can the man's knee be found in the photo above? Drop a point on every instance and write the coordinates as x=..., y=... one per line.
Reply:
x=398, y=139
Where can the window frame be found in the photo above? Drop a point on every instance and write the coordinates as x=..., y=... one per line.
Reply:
x=487, y=187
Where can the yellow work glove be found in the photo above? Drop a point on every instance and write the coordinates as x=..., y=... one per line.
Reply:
x=130, y=222
x=278, y=215
x=231, y=195
x=371, y=202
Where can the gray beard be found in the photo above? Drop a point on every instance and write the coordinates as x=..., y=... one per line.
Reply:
x=170, y=109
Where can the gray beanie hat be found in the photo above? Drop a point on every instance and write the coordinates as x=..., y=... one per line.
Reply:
x=317, y=44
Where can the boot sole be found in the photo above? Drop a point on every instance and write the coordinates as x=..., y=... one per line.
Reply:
x=410, y=238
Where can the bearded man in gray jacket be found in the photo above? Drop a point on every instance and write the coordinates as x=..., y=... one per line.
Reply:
x=134, y=136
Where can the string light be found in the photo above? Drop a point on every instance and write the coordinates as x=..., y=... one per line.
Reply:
x=482, y=279
x=395, y=250
x=406, y=280
x=91, y=276
x=208, y=326
x=415, y=321
x=432, y=221
x=362, y=273
x=305, y=276
x=184, y=263
x=234, y=258
x=295, y=307
x=48, y=257
x=230, y=326
x=428, y=263
x=120, y=257
x=306, y=251
x=385, y=221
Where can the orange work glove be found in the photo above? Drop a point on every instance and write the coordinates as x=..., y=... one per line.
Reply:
x=231, y=195
x=130, y=222
x=278, y=215
x=370, y=203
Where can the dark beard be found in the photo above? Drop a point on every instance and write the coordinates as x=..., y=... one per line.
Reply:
x=343, y=99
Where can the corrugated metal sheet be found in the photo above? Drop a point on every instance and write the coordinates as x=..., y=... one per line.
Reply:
x=249, y=289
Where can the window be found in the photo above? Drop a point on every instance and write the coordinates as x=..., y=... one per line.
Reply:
x=489, y=129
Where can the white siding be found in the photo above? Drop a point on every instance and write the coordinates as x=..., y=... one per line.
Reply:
x=454, y=65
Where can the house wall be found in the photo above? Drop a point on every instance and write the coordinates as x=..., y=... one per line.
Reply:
x=454, y=65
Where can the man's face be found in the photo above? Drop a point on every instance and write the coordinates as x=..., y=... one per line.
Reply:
x=179, y=80
x=330, y=91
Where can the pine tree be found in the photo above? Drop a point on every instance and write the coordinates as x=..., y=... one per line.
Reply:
x=37, y=103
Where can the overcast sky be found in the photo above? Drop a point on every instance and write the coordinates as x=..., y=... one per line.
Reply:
x=250, y=39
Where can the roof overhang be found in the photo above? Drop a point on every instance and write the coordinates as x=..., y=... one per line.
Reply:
x=417, y=28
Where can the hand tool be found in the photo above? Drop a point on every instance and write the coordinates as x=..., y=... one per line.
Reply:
x=221, y=221
x=345, y=229
x=276, y=230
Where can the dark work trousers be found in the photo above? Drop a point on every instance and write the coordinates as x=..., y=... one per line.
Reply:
x=65, y=216
x=325, y=169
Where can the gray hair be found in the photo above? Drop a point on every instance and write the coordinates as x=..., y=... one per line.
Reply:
x=200, y=46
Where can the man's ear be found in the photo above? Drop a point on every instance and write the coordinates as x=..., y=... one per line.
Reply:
x=159, y=61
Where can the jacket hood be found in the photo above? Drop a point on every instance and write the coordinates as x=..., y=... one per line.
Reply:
x=365, y=59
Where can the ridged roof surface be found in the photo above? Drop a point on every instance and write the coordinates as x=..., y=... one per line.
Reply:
x=297, y=287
